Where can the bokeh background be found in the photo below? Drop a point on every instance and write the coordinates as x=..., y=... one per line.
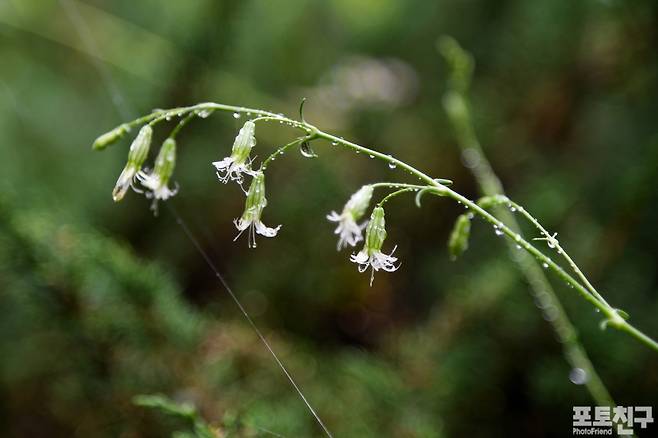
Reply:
x=100, y=302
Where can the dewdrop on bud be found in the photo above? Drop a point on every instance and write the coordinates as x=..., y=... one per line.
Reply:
x=348, y=230
x=139, y=150
x=156, y=181
x=253, y=209
x=458, y=241
x=110, y=137
x=371, y=254
x=232, y=168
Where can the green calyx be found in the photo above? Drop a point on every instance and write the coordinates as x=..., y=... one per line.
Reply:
x=376, y=231
x=139, y=148
x=244, y=142
x=255, y=202
x=165, y=161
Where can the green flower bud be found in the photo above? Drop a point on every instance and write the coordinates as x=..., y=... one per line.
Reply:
x=458, y=241
x=110, y=137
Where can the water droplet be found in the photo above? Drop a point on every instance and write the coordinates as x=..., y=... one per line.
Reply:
x=518, y=246
x=545, y=265
x=236, y=115
x=203, y=113
x=334, y=143
x=497, y=231
x=392, y=165
x=512, y=209
x=578, y=376
x=371, y=156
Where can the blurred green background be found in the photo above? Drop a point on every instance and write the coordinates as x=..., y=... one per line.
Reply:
x=101, y=302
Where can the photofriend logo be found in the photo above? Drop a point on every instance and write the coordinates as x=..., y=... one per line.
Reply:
x=602, y=419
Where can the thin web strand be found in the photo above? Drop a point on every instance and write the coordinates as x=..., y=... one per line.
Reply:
x=220, y=277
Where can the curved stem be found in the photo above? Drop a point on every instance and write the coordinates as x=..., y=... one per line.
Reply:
x=394, y=194
x=613, y=317
x=554, y=243
x=181, y=124
x=280, y=151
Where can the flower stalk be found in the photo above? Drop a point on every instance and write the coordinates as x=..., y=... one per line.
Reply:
x=253, y=208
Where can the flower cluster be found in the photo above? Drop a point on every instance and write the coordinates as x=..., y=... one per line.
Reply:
x=155, y=184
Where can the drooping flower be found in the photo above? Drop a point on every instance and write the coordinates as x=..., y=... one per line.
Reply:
x=232, y=167
x=156, y=181
x=253, y=209
x=371, y=255
x=348, y=230
x=139, y=150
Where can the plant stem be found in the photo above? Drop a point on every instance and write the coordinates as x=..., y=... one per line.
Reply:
x=613, y=318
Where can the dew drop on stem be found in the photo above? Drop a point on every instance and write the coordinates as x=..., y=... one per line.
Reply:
x=578, y=376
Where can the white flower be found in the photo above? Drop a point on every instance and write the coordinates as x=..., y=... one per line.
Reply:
x=348, y=230
x=139, y=150
x=254, y=205
x=156, y=181
x=232, y=168
x=376, y=260
x=371, y=256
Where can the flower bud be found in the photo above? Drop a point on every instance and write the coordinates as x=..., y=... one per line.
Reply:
x=376, y=230
x=110, y=137
x=458, y=241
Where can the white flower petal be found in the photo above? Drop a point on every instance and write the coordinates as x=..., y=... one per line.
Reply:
x=266, y=231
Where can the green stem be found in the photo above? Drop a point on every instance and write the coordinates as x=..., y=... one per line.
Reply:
x=556, y=245
x=181, y=124
x=394, y=194
x=280, y=151
x=614, y=319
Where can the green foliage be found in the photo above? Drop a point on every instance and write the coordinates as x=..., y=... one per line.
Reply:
x=102, y=302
